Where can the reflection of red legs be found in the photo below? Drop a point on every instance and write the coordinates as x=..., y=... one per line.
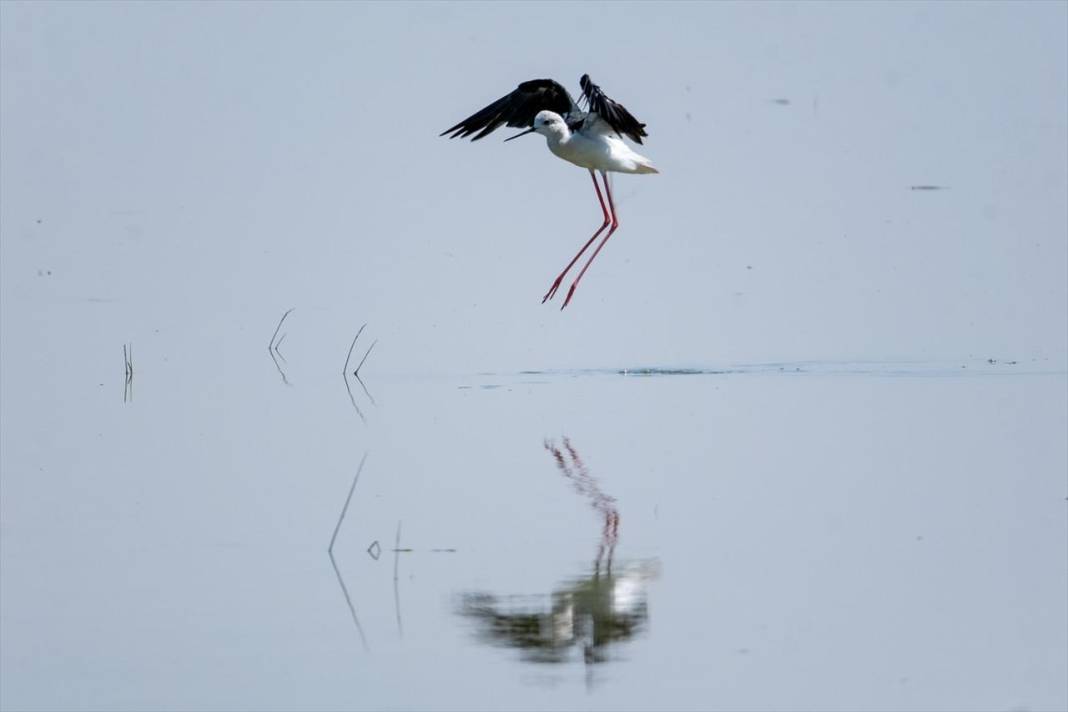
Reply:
x=576, y=459
x=587, y=486
x=607, y=219
x=609, y=535
x=615, y=224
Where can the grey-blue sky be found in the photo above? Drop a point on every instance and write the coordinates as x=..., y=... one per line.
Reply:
x=208, y=165
x=178, y=175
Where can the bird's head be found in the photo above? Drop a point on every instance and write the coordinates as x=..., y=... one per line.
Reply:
x=548, y=123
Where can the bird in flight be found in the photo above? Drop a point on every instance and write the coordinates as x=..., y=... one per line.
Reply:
x=590, y=137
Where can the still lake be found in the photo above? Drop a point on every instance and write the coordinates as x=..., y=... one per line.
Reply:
x=739, y=536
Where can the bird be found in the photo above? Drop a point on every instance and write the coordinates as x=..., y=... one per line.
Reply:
x=590, y=137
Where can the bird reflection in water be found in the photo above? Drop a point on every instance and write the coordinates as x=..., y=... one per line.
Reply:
x=584, y=615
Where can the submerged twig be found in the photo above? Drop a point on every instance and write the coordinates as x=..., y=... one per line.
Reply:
x=348, y=600
x=279, y=367
x=333, y=562
x=396, y=588
x=356, y=373
x=345, y=374
x=352, y=399
x=345, y=368
x=345, y=508
x=274, y=343
x=127, y=360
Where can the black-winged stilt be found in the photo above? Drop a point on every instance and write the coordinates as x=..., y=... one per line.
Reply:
x=590, y=138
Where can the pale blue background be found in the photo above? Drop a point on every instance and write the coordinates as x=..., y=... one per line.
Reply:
x=883, y=528
x=232, y=158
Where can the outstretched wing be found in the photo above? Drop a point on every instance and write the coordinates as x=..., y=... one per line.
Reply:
x=613, y=113
x=517, y=109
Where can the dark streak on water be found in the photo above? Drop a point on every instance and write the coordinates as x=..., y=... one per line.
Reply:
x=878, y=369
x=922, y=369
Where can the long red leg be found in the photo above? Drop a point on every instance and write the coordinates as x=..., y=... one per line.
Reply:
x=556, y=284
x=615, y=224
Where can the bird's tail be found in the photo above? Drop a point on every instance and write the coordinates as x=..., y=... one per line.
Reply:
x=646, y=168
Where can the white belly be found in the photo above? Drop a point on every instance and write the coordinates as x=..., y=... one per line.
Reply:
x=600, y=153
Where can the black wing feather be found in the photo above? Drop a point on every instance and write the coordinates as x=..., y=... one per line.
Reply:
x=614, y=113
x=517, y=109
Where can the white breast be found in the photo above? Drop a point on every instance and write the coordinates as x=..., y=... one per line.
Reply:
x=600, y=152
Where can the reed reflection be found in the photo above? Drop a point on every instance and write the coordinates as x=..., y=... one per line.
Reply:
x=585, y=615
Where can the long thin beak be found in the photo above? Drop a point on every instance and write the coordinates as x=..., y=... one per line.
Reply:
x=530, y=130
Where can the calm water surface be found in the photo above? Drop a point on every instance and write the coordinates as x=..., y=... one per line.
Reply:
x=691, y=521
x=761, y=536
